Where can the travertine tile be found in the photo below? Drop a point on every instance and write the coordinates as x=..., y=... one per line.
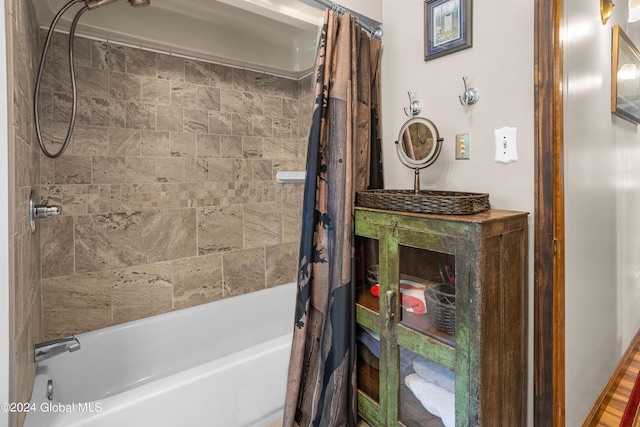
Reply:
x=171, y=68
x=89, y=141
x=196, y=72
x=219, y=229
x=281, y=263
x=107, y=56
x=230, y=146
x=156, y=91
x=170, y=169
x=92, y=82
x=155, y=143
x=169, y=234
x=244, y=271
x=108, y=170
x=242, y=124
x=220, y=76
x=174, y=166
x=141, y=115
x=195, y=121
x=183, y=144
x=125, y=87
x=124, y=142
x=253, y=103
x=70, y=169
x=251, y=147
x=197, y=280
x=139, y=170
x=208, y=145
x=76, y=304
x=56, y=246
x=141, y=62
x=262, y=170
x=220, y=123
x=196, y=170
x=108, y=241
x=169, y=118
x=142, y=291
x=262, y=224
x=208, y=98
x=184, y=95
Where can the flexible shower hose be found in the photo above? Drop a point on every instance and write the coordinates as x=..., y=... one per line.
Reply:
x=72, y=32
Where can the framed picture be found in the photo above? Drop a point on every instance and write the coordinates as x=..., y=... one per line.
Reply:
x=625, y=77
x=447, y=27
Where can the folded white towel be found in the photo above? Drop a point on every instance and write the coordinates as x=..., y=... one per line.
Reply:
x=435, y=399
x=436, y=374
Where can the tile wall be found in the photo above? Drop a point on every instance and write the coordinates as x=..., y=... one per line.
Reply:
x=24, y=175
x=168, y=187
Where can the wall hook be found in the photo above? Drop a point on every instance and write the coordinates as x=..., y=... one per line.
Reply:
x=470, y=95
x=415, y=106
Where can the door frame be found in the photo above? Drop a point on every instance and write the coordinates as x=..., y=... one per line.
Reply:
x=549, y=281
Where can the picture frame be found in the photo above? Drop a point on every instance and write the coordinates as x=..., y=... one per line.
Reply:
x=447, y=27
x=625, y=77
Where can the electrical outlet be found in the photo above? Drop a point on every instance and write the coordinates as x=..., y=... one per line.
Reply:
x=462, y=146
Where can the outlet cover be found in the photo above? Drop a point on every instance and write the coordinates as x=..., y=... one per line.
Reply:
x=462, y=146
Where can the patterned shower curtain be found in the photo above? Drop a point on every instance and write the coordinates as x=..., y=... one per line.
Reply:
x=344, y=156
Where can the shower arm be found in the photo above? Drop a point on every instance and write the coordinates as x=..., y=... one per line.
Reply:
x=67, y=139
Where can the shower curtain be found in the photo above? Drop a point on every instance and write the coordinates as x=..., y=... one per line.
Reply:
x=344, y=156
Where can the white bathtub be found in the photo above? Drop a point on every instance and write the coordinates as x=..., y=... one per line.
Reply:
x=222, y=364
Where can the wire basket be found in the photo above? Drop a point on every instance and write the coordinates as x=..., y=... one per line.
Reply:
x=372, y=275
x=441, y=307
x=426, y=201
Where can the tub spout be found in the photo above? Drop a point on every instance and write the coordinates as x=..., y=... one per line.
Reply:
x=48, y=349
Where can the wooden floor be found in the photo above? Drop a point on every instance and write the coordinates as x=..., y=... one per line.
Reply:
x=613, y=404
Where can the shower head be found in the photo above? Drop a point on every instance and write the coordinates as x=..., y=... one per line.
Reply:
x=94, y=4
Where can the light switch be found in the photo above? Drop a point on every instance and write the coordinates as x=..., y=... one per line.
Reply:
x=506, y=147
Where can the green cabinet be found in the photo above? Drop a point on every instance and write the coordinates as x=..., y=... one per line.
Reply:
x=442, y=318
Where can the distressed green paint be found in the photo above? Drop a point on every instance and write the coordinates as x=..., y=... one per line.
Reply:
x=466, y=238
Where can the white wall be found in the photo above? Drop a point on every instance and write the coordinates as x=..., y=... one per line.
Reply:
x=500, y=65
x=602, y=204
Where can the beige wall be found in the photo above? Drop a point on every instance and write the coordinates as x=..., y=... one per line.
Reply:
x=500, y=65
x=602, y=205
x=168, y=188
x=25, y=289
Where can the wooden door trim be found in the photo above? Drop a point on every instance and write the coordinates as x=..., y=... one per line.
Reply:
x=549, y=342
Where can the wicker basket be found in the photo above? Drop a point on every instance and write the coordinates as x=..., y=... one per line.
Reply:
x=441, y=307
x=427, y=201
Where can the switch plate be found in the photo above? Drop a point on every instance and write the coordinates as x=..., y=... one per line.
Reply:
x=506, y=148
x=462, y=146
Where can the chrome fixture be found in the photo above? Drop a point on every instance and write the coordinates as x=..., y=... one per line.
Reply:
x=374, y=28
x=50, y=390
x=40, y=211
x=470, y=95
x=48, y=349
x=415, y=106
x=88, y=5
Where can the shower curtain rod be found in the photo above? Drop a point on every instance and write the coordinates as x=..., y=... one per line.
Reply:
x=375, y=30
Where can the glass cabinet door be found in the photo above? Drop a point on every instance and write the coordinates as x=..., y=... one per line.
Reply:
x=419, y=363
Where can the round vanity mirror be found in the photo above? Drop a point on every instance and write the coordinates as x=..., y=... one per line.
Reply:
x=418, y=145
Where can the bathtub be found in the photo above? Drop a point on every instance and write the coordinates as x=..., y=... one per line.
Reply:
x=222, y=364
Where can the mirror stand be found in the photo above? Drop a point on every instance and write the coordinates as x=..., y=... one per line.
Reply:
x=416, y=181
